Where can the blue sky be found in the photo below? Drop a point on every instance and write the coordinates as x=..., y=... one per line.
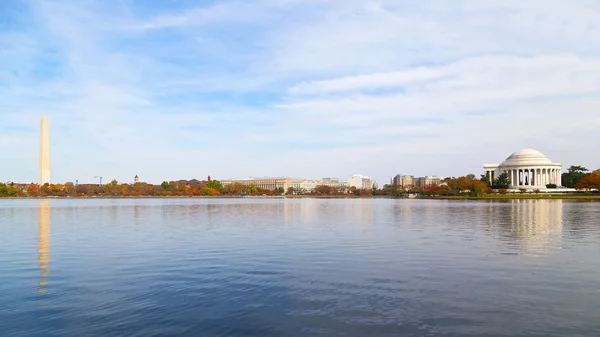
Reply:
x=184, y=89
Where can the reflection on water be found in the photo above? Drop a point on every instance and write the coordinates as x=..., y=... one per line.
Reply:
x=537, y=224
x=534, y=226
x=195, y=267
x=43, y=248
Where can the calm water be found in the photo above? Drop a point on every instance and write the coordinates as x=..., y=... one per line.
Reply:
x=254, y=267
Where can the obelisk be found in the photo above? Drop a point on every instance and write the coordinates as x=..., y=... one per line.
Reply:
x=44, y=164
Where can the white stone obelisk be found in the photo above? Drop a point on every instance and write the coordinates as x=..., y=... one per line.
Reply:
x=44, y=164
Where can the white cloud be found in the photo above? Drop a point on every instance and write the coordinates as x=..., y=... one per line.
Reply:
x=290, y=87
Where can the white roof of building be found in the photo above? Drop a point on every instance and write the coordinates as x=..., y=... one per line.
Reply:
x=526, y=157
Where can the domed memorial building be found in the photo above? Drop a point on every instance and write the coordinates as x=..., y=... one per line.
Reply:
x=528, y=169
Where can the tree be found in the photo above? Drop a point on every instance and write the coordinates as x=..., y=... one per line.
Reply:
x=33, y=190
x=69, y=188
x=215, y=184
x=13, y=191
x=478, y=188
x=323, y=189
x=280, y=190
x=252, y=189
x=290, y=191
x=590, y=181
x=486, y=179
x=209, y=191
x=503, y=181
x=45, y=189
x=165, y=185
x=234, y=189
x=573, y=175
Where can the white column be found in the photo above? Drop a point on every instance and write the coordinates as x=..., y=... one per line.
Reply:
x=559, y=177
x=544, y=177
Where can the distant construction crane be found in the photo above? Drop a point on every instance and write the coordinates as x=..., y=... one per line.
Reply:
x=98, y=177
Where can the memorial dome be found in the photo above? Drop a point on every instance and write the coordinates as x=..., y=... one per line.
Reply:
x=526, y=157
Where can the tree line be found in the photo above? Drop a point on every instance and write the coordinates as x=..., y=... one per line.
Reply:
x=577, y=177
x=167, y=188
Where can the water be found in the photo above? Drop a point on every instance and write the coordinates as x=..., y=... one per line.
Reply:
x=244, y=267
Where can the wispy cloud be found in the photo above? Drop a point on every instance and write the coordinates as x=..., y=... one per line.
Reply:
x=290, y=87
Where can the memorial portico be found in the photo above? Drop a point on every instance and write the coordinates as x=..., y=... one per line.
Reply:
x=528, y=169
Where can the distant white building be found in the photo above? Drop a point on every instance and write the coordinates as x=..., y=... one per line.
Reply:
x=300, y=185
x=430, y=180
x=528, y=169
x=361, y=182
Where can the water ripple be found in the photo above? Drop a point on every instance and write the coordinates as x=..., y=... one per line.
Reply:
x=194, y=267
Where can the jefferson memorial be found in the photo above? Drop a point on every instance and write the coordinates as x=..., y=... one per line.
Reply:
x=528, y=169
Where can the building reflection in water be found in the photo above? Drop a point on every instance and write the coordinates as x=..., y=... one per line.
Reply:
x=43, y=256
x=534, y=226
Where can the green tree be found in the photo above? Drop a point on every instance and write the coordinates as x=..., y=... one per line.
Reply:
x=573, y=175
x=215, y=184
x=165, y=185
x=486, y=179
x=13, y=191
x=3, y=190
x=503, y=181
x=252, y=188
x=280, y=190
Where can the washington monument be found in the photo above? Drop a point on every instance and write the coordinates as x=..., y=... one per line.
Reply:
x=44, y=164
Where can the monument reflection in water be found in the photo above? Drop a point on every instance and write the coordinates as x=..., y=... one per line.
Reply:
x=534, y=226
x=43, y=255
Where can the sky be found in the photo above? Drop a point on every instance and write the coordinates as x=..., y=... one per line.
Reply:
x=181, y=89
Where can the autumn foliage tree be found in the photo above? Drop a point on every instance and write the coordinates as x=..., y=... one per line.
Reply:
x=589, y=182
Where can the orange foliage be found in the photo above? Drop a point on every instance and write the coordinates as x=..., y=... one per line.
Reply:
x=591, y=181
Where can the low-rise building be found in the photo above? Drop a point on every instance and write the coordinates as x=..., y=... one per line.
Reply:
x=299, y=185
x=361, y=182
x=268, y=183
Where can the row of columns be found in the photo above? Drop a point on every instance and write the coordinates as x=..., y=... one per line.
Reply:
x=538, y=177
